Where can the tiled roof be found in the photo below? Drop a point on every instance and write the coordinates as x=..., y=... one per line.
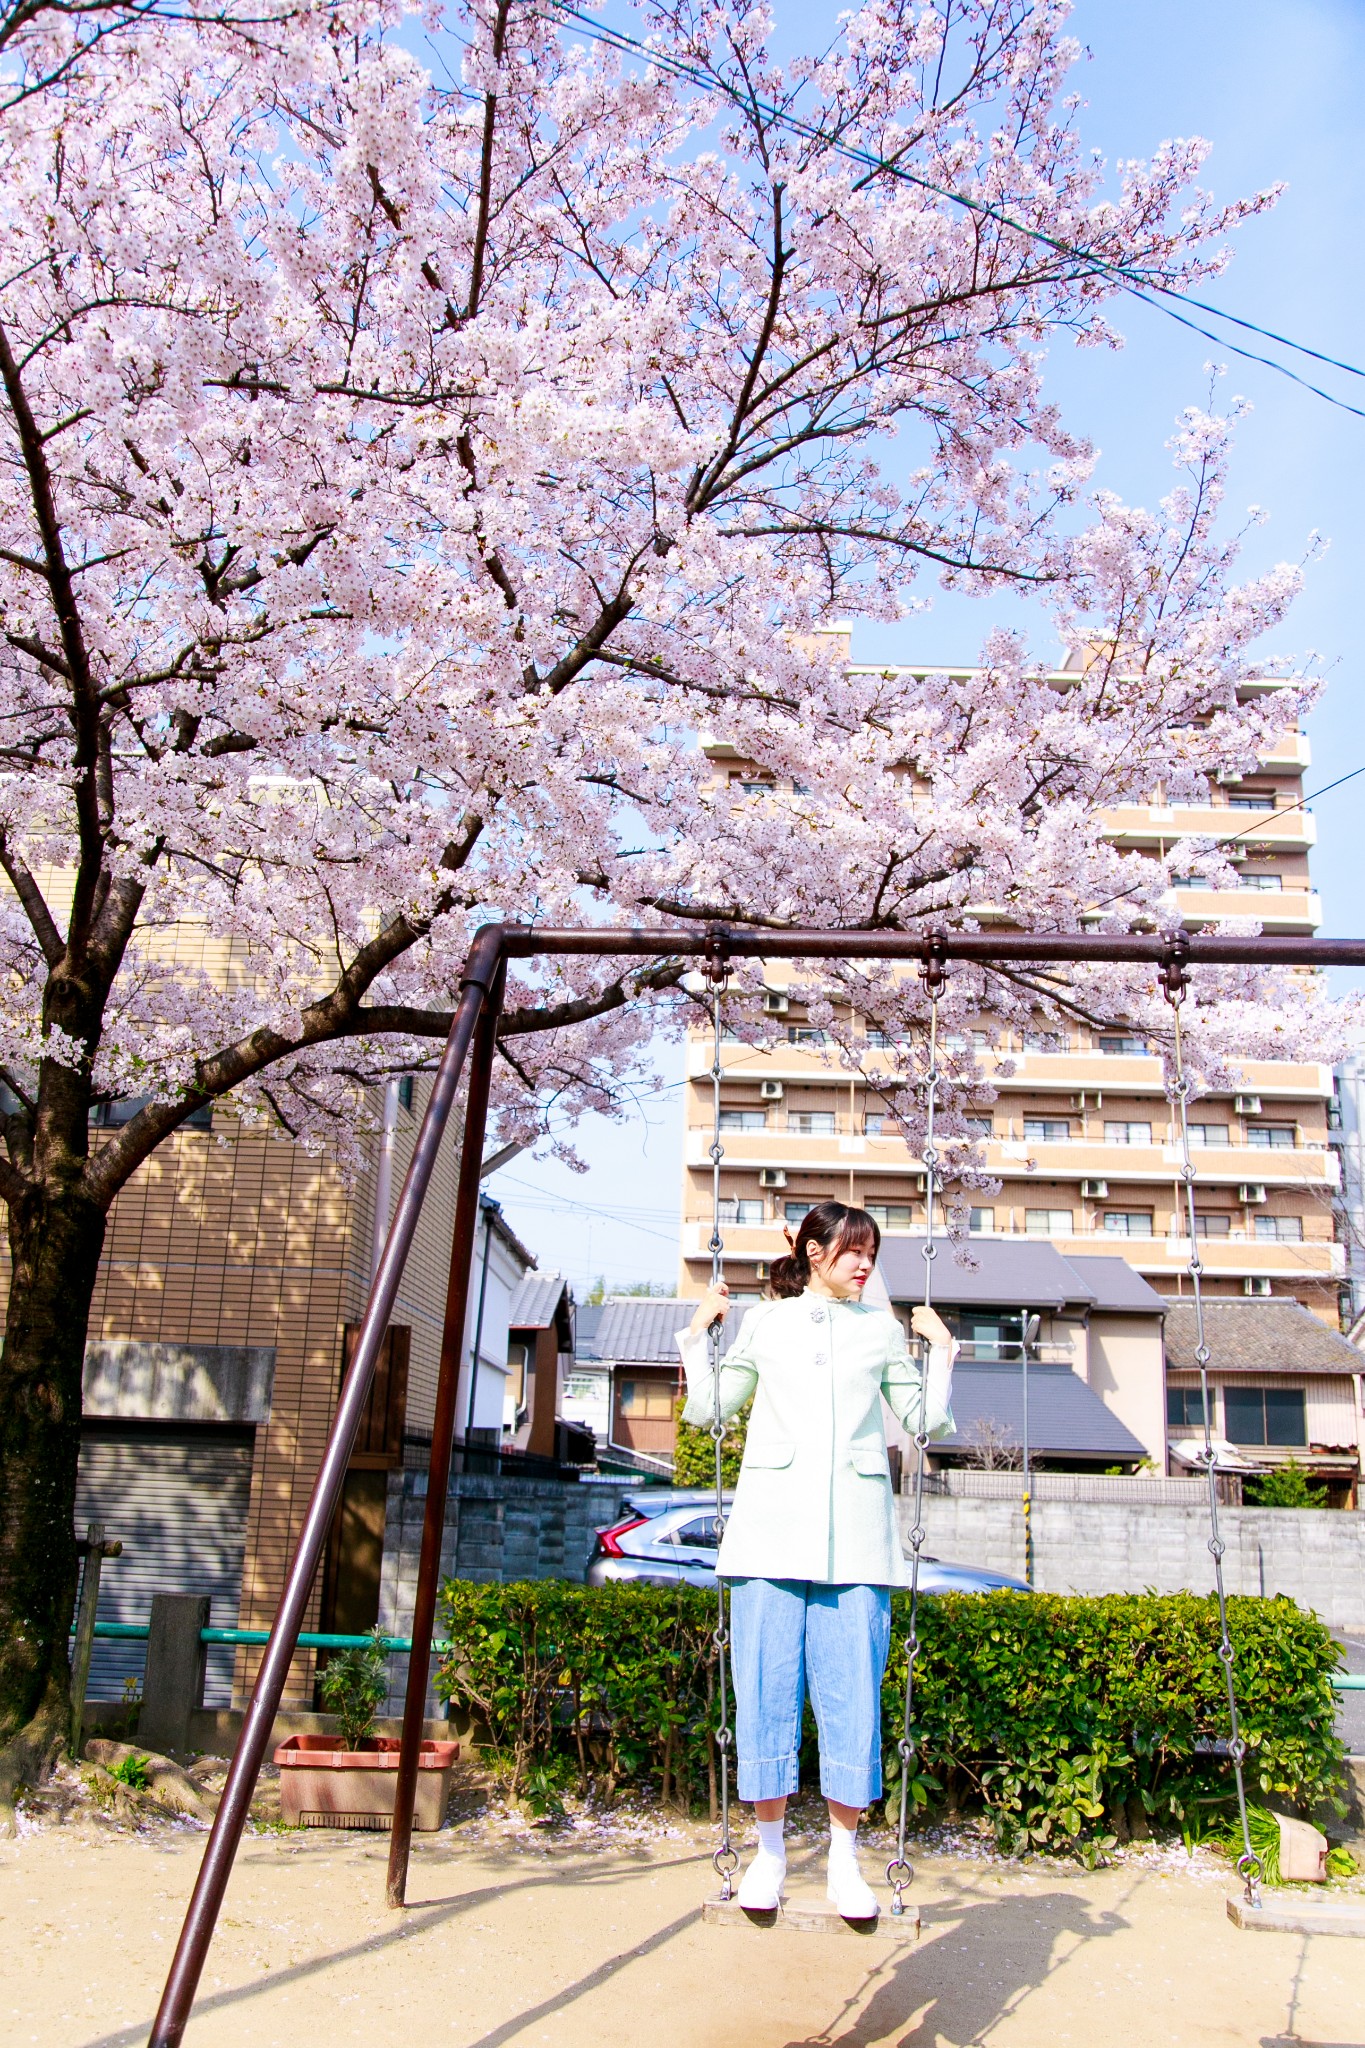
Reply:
x=586, y=1323
x=535, y=1305
x=638, y=1331
x=1065, y=1419
x=1115, y=1285
x=1257, y=1336
x=1017, y=1272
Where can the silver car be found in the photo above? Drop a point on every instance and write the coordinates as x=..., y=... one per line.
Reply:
x=670, y=1539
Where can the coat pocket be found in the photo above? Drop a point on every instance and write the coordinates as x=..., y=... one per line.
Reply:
x=870, y=1460
x=770, y=1456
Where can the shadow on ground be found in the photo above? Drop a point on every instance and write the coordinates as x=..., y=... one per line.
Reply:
x=977, y=1960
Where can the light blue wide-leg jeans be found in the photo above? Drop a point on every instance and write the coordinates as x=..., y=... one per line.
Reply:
x=790, y=1633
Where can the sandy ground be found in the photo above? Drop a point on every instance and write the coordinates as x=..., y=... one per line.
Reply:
x=591, y=1938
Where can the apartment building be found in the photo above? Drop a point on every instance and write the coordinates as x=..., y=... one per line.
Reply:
x=1080, y=1136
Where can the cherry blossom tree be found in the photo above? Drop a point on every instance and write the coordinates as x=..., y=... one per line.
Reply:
x=401, y=473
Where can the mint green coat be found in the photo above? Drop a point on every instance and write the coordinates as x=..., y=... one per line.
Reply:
x=814, y=1498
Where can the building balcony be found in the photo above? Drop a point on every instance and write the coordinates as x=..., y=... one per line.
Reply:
x=1277, y=911
x=1314, y=1165
x=1067, y=1069
x=1135, y=825
x=1238, y=1256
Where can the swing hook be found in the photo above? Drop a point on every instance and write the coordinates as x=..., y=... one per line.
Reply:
x=933, y=970
x=1175, y=968
x=717, y=956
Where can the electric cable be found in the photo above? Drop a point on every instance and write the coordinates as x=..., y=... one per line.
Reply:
x=1133, y=282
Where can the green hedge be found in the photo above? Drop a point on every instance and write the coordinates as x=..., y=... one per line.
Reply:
x=1065, y=1718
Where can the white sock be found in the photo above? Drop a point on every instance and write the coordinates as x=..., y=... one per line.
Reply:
x=843, y=1843
x=770, y=1839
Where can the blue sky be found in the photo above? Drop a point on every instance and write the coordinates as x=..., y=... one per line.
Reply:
x=1278, y=91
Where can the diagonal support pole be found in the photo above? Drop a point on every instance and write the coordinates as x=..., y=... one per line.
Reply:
x=482, y=969
x=443, y=1435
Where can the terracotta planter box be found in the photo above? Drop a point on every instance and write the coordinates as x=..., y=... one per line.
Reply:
x=323, y=1785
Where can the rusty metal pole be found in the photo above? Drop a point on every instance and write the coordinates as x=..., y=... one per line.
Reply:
x=442, y=1438
x=482, y=969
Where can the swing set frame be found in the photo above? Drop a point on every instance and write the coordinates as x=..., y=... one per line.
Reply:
x=472, y=1040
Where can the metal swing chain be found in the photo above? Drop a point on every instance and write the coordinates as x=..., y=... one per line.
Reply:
x=900, y=1873
x=725, y=1859
x=1249, y=1867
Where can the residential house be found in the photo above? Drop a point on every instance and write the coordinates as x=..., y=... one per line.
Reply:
x=1283, y=1388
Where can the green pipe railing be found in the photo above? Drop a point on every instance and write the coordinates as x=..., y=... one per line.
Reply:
x=137, y=1631
x=310, y=1639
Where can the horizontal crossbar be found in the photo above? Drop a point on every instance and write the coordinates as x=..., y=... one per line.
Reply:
x=520, y=942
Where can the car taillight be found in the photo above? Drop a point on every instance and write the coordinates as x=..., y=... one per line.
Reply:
x=610, y=1539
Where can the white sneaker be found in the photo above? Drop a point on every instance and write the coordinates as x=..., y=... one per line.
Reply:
x=760, y=1888
x=851, y=1896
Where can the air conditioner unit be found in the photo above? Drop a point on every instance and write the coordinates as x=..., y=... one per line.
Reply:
x=772, y=1177
x=770, y=1091
x=1251, y=1191
x=762, y=1270
x=1247, y=1105
x=774, y=1003
x=1097, y=1190
x=1255, y=1284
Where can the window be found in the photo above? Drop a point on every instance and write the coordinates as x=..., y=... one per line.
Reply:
x=698, y=1534
x=1254, y=881
x=1212, y=1223
x=980, y=1220
x=405, y=1091
x=811, y=1123
x=1047, y=1130
x=113, y=1115
x=743, y=1120
x=1127, y=1222
x=1044, y=1041
x=797, y=1212
x=1047, y=1222
x=1264, y=1415
x=1122, y=1042
x=1184, y=1408
x=1127, y=1134
x=1278, y=1229
x=648, y=1400
x=878, y=1041
x=1188, y=882
x=1271, y=1137
x=967, y=1041
x=742, y=1210
x=875, y=1124
x=1253, y=800
x=1208, y=1134
x=889, y=1215
x=804, y=1034
x=980, y=1127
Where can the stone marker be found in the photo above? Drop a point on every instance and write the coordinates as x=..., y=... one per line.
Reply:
x=1303, y=1852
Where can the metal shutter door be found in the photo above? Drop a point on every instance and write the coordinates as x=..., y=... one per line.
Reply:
x=179, y=1503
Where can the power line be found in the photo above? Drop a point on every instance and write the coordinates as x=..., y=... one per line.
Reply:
x=1133, y=282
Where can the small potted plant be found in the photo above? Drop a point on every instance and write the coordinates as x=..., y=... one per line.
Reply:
x=348, y=1780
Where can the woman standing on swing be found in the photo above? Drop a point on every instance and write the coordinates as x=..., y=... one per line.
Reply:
x=811, y=1548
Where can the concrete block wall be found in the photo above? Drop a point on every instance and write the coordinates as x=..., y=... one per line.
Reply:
x=498, y=1529
x=1317, y=1558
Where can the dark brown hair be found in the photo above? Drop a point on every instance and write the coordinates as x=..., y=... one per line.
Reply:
x=834, y=1226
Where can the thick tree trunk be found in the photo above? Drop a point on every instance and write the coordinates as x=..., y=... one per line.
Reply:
x=55, y=1242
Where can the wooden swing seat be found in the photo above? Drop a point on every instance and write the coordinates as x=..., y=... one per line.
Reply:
x=812, y=1915
x=1291, y=1913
